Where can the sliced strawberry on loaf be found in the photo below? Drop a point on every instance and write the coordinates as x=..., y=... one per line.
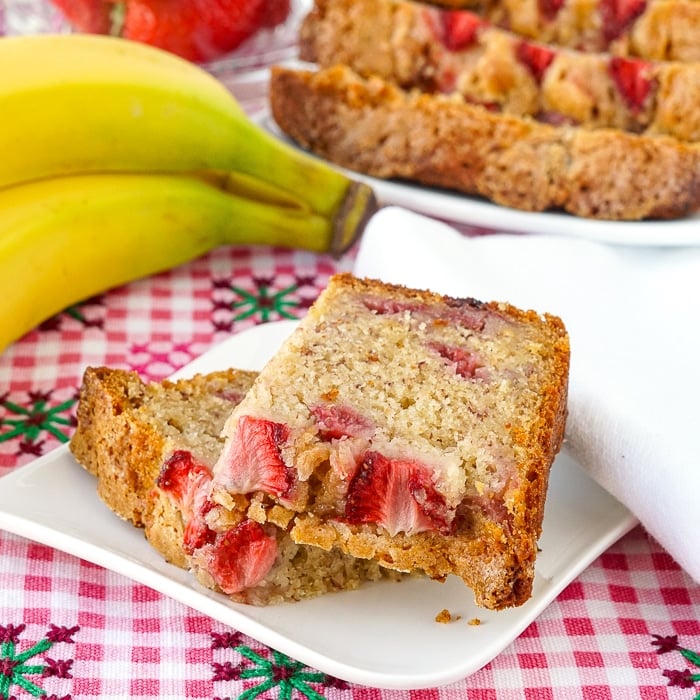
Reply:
x=651, y=29
x=457, y=51
x=151, y=447
x=409, y=429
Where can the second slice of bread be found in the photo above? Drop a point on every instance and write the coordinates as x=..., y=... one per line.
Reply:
x=148, y=444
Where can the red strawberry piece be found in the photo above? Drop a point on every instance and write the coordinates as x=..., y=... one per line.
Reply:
x=90, y=16
x=549, y=9
x=535, y=57
x=252, y=460
x=466, y=364
x=618, y=15
x=631, y=81
x=469, y=313
x=549, y=116
x=336, y=421
x=459, y=29
x=182, y=477
x=187, y=483
x=199, y=30
x=235, y=397
x=488, y=106
x=276, y=12
x=397, y=494
x=389, y=306
x=241, y=557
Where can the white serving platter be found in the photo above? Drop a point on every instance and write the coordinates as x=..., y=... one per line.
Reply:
x=382, y=635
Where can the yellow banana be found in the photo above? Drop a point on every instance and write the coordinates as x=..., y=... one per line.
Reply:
x=86, y=104
x=65, y=239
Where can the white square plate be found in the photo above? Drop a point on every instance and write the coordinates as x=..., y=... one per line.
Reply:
x=383, y=635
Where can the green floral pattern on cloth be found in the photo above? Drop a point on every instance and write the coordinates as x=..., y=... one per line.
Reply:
x=265, y=300
x=275, y=674
x=88, y=314
x=23, y=670
x=35, y=419
x=26, y=666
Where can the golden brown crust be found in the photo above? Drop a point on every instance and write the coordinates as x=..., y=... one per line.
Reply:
x=371, y=126
x=498, y=69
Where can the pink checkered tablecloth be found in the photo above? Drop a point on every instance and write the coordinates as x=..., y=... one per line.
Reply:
x=627, y=627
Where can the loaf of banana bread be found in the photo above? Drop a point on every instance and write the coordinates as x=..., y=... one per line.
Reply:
x=373, y=127
x=651, y=29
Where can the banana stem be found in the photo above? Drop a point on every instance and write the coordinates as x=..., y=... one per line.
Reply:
x=264, y=157
x=347, y=222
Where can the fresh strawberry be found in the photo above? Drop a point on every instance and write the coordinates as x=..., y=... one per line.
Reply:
x=239, y=558
x=630, y=79
x=187, y=483
x=549, y=9
x=466, y=364
x=335, y=421
x=618, y=15
x=89, y=16
x=397, y=494
x=535, y=57
x=459, y=29
x=276, y=12
x=199, y=30
x=252, y=459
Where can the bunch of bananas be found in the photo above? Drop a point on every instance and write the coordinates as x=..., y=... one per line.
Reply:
x=118, y=161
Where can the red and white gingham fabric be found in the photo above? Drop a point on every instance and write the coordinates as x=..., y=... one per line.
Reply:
x=71, y=630
x=86, y=632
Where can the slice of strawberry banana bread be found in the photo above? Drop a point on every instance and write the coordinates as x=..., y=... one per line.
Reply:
x=406, y=428
x=438, y=50
x=151, y=447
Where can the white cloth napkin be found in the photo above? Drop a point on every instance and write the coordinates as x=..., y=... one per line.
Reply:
x=633, y=316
